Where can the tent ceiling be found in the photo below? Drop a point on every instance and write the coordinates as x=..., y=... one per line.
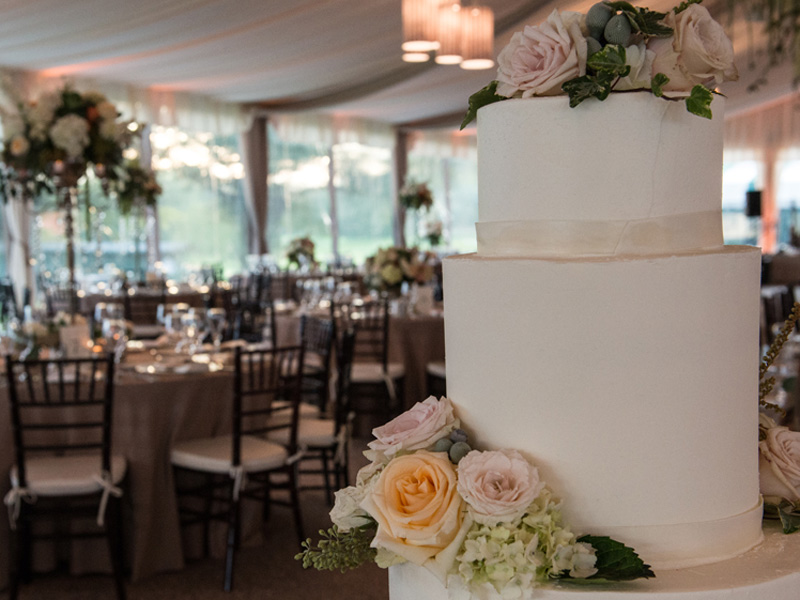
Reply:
x=338, y=56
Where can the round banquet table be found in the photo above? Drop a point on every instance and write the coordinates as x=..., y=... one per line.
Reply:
x=150, y=413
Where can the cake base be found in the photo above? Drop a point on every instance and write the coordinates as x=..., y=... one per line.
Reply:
x=771, y=571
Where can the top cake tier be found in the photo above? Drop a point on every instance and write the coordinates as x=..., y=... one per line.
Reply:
x=632, y=175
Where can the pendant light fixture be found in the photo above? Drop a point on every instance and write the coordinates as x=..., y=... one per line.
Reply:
x=478, y=38
x=450, y=34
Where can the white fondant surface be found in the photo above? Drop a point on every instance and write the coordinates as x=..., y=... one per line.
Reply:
x=632, y=157
x=770, y=571
x=631, y=384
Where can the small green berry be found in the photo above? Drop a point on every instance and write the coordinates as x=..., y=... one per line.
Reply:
x=458, y=435
x=597, y=18
x=592, y=46
x=443, y=445
x=458, y=451
x=618, y=30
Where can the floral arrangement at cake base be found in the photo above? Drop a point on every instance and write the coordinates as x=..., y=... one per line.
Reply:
x=778, y=445
x=389, y=268
x=682, y=54
x=301, y=252
x=482, y=521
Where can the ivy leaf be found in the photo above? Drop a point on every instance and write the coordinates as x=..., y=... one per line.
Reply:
x=657, y=84
x=615, y=560
x=484, y=96
x=609, y=60
x=684, y=5
x=643, y=20
x=787, y=512
x=580, y=89
x=699, y=101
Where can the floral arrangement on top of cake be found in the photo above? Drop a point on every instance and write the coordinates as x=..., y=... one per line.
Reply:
x=616, y=46
x=778, y=446
x=482, y=521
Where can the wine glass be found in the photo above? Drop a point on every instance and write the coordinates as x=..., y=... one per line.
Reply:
x=116, y=336
x=216, y=319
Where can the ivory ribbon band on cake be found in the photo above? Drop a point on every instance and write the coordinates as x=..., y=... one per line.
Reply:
x=659, y=235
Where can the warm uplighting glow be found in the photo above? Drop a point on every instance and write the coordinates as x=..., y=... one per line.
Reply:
x=420, y=25
x=450, y=33
x=478, y=41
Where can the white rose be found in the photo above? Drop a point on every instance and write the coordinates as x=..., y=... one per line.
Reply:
x=498, y=486
x=779, y=463
x=640, y=60
x=540, y=58
x=346, y=512
x=420, y=427
x=699, y=52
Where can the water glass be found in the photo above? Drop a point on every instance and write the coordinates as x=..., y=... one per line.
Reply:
x=216, y=319
x=116, y=336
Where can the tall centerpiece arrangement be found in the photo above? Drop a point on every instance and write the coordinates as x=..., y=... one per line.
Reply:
x=414, y=198
x=301, y=252
x=50, y=142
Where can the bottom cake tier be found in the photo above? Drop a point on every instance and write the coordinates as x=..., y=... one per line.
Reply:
x=771, y=571
x=631, y=383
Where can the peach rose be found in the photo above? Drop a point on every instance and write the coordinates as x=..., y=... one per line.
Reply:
x=539, y=59
x=779, y=463
x=699, y=52
x=416, y=505
x=498, y=486
x=418, y=428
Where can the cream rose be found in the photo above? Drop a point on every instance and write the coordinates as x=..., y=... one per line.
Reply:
x=417, y=506
x=779, y=463
x=419, y=428
x=346, y=512
x=640, y=60
x=498, y=486
x=699, y=52
x=539, y=59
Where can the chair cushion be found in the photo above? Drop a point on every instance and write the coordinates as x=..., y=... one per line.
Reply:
x=71, y=475
x=373, y=372
x=436, y=368
x=311, y=433
x=213, y=455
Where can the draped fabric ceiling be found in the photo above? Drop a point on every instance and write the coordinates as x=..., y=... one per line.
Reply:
x=340, y=57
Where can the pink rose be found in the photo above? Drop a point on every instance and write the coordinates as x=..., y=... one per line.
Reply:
x=779, y=468
x=418, y=428
x=498, y=486
x=539, y=59
x=699, y=52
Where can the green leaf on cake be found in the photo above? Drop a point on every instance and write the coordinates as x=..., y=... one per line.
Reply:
x=787, y=512
x=657, y=84
x=699, y=101
x=615, y=560
x=604, y=68
x=643, y=20
x=484, y=96
x=610, y=60
x=684, y=5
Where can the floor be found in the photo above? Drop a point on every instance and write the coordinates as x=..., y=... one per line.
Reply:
x=264, y=573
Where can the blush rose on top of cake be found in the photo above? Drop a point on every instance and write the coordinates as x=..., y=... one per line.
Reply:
x=481, y=521
x=615, y=47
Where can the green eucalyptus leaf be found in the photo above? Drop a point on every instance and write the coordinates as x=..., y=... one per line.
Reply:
x=699, y=101
x=657, y=84
x=615, y=560
x=484, y=96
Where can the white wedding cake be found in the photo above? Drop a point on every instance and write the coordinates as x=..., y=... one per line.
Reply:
x=604, y=330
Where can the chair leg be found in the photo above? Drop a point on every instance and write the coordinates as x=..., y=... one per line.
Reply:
x=233, y=530
x=208, y=505
x=15, y=563
x=294, y=497
x=326, y=475
x=114, y=536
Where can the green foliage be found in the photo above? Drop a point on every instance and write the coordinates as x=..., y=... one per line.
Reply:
x=484, y=96
x=684, y=5
x=603, y=69
x=787, y=512
x=643, y=20
x=699, y=101
x=339, y=550
x=615, y=560
x=657, y=83
x=765, y=385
